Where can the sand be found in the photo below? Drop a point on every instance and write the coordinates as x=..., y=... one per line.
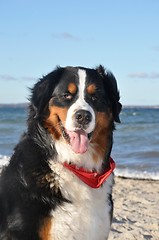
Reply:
x=136, y=210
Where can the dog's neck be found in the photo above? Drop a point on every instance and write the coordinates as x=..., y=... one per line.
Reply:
x=92, y=179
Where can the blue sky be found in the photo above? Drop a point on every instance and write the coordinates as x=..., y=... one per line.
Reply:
x=122, y=35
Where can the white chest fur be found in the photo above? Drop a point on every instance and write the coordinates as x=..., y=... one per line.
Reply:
x=87, y=216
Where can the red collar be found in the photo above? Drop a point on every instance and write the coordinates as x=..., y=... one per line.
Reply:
x=92, y=179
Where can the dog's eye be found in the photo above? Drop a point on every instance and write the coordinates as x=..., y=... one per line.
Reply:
x=67, y=96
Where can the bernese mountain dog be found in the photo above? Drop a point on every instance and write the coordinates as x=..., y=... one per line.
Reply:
x=58, y=183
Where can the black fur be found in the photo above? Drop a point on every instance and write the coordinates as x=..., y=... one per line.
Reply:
x=110, y=86
x=25, y=195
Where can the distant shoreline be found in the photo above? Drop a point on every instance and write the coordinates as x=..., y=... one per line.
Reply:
x=14, y=104
x=124, y=106
x=141, y=106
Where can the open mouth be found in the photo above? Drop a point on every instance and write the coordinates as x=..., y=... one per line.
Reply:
x=78, y=139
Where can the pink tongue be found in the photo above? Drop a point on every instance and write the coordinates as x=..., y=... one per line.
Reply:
x=78, y=141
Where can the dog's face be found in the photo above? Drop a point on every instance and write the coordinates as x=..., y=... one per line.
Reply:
x=82, y=105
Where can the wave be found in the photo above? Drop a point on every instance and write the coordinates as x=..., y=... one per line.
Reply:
x=141, y=175
x=4, y=160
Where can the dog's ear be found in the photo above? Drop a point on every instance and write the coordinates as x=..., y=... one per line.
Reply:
x=43, y=89
x=111, y=88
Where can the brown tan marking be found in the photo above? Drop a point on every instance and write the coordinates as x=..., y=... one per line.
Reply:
x=72, y=88
x=102, y=134
x=44, y=232
x=52, y=123
x=91, y=89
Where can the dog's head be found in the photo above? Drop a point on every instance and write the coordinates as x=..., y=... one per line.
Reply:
x=78, y=106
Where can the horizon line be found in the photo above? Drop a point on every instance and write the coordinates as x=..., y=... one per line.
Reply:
x=23, y=104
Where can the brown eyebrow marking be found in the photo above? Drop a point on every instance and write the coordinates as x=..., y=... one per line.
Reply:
x=72, y=88
x=91, y=88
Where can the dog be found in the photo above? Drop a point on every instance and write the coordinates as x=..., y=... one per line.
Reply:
x=58, y=183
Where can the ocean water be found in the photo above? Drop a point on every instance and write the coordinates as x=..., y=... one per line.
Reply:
x=136, y=139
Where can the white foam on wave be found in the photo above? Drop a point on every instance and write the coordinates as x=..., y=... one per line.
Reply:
x=4, y=160
x=126, y=173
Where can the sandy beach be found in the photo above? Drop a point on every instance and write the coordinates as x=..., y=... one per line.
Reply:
x=136, y=210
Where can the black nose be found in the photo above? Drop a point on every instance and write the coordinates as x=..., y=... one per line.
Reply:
x=83, y=117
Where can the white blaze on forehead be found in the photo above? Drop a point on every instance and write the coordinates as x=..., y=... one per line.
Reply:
x=82, y=83
x=80, y=104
